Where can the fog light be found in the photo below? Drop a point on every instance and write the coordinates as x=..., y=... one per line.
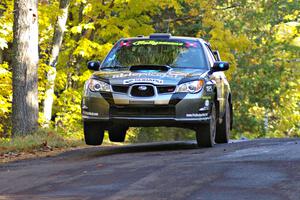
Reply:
x=206, y=103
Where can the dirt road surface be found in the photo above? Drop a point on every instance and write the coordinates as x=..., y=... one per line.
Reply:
x=266, y=169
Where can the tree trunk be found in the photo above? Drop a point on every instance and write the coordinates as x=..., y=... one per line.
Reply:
x=1, y=56
x=25, y=66
x=56, y=45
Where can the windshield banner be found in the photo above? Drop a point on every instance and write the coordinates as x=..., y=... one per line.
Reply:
x=154, y=43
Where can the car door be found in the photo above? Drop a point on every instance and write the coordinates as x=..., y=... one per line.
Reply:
x=221, y=82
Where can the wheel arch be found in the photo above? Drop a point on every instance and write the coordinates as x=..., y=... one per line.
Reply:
x=231, y=110
x=215, y=99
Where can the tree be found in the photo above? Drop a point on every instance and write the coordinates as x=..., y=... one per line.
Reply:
x=57, y=42
x=260, y=39
x=25, y=65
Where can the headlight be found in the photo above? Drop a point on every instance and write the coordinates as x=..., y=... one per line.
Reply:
x=98, y=86
x=190, y=87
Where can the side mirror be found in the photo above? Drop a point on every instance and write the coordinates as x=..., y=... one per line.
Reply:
x=219, y=66
x=216, y=55
x=93, y=65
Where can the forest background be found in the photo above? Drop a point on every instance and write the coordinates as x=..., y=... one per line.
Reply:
x=260, y=39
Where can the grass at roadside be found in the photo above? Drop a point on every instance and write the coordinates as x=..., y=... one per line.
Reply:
x=42, y=140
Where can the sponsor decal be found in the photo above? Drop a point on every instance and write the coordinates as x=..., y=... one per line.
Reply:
x=205, y=118
x=191, y=44
x=163, y=75
x=89, y=113
x=123, y=43
x=197, y=115
x=209, y=88
x=154, y=43
x=147, y=80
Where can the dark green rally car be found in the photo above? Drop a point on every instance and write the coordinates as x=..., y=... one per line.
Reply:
x=159, y=80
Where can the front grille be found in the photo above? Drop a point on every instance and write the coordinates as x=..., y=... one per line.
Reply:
x=142, y=91
x=137, y=111
x=120, y=88
x=165, y=89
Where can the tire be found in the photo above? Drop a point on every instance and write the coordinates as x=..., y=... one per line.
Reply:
x=117, y=134
x=93, y=133
x=205, y=134
x=223, y=129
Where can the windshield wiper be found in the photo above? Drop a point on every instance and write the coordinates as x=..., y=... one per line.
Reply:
x=114, y=67
x=189, y=67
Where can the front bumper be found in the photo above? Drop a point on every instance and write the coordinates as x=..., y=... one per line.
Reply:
x=174, y=109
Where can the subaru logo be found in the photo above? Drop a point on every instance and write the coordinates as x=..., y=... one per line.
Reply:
x=142, y=88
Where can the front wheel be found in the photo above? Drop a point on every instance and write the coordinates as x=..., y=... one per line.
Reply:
x=205, y=134
x=93, y=133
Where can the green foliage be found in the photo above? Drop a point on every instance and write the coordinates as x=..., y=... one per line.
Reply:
x=5, y=99
x=268, y=76
x=6, y=23
x=260, y=39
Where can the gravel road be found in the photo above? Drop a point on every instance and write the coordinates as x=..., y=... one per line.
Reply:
x=267, y=169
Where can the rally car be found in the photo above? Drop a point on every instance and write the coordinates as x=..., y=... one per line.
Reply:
x=158, y=80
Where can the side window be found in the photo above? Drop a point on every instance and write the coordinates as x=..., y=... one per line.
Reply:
x=211, y=58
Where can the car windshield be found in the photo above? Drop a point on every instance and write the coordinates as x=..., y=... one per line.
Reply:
x=173, y=53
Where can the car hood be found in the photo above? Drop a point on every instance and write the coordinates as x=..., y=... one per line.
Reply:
x=170, y=77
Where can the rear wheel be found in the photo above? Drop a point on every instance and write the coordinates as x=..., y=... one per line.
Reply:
x=117, y=134
x=205, y=134
x=223, y=129
x=93, y=133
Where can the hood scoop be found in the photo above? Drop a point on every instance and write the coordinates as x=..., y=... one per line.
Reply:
x=149, y=68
